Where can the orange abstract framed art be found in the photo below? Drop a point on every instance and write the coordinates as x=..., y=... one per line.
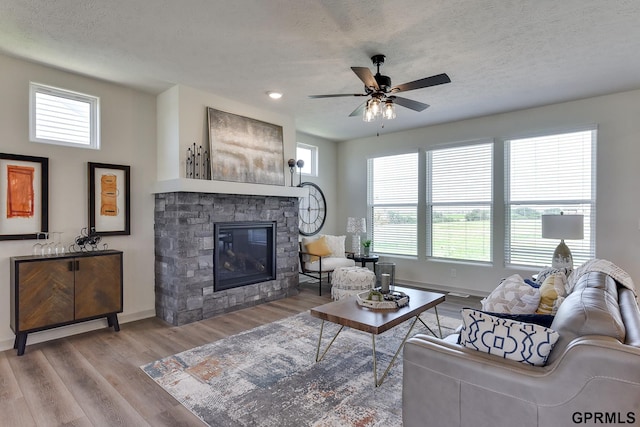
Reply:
x=109, y=199
x=24, y=195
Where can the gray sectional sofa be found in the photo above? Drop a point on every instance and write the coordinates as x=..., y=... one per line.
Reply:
x=592, y=376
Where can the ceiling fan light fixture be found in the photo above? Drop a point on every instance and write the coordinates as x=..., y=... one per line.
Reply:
x=375, y=106
x=368, y=115
x=383, y=99
x=389, y=110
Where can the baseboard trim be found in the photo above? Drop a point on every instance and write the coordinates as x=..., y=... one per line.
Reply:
x=77, y=328
x=444, y=288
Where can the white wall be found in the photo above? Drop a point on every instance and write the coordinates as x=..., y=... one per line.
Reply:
x=128, y=128
x=327, y=180
x=618, y=176
x=182, y=121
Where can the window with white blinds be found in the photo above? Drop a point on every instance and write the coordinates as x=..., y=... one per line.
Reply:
x=549, y=175
x=62, y=117
x=459, y=202
x=393, y=204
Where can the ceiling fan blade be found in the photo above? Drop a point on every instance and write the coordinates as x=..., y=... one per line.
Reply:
x=337, y=95
x=365, y=75
x=438, y=79
x=358, y=111
x=410, y=103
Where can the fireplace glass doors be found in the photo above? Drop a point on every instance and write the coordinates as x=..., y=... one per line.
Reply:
x=245, y=253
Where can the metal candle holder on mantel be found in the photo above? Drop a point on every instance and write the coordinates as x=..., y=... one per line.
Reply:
x=198, y=163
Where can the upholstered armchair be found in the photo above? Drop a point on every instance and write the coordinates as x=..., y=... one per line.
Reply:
x=322, y=254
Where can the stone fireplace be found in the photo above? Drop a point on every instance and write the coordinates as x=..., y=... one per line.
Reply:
x=190, y=236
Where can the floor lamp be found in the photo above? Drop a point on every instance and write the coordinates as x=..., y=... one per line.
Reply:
x=562, y=227
x=356, y=226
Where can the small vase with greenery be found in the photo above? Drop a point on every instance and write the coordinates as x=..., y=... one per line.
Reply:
x=367, y=247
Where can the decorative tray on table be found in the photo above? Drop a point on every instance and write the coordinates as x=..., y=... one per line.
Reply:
x=376, y=299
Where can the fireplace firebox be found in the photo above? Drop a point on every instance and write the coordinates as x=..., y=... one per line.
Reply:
x=245, y=253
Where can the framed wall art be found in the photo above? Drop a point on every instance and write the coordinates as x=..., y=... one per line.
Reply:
x=24, y=196
x=244, y=149
x=109, y=199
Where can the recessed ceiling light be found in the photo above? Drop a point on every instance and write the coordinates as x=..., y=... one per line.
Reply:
x=274, y=95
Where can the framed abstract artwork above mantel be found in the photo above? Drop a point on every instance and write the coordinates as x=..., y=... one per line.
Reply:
x=24, y=196
x=245, y=149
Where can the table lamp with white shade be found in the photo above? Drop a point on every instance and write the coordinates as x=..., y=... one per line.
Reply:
x=356, y=226
x=570, y=227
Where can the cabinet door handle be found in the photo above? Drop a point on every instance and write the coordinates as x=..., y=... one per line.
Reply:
x=70, y=265
x=77, y=265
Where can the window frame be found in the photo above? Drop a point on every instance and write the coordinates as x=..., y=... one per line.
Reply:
x=371, y=206
x=93, y=122
x=589, y=220
x=430, y=204
x=314, y=158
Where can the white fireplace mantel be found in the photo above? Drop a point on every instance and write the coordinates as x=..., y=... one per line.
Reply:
x=226, y=187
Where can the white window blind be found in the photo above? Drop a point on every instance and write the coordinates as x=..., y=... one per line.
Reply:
x=548, y=175
x=393, y=204
x=58, y=116
x=459, y=202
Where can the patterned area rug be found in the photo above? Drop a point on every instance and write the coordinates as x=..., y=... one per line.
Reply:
x=268, y=376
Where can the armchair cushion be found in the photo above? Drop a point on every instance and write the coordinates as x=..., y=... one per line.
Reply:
x=329, y=264
x=317, y=248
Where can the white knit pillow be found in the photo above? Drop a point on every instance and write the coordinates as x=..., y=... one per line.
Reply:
x=513, y=296
x=336, y=244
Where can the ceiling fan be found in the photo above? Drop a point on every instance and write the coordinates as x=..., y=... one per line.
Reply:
x=382, y=95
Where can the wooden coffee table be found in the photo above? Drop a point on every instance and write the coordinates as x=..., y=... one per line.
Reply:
x=347, y=312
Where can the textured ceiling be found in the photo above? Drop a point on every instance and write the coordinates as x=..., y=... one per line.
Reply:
x=501, y=55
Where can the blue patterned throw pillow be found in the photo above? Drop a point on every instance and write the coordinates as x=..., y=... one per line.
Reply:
x=519, y=341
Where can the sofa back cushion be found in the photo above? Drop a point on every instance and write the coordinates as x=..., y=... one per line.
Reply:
x=590, y=309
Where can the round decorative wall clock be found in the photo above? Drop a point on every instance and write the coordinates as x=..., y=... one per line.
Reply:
x=312, y=211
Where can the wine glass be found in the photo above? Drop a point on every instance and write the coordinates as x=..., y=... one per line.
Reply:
x=47, y=247
x=58, y=246
x=37, y=247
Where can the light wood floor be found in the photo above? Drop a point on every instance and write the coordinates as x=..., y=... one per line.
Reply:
x=94, y=379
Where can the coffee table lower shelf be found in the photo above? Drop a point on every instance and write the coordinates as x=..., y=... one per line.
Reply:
x=348, y=313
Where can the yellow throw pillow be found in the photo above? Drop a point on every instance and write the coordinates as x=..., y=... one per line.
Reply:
x=551, y=293
x=318, y=247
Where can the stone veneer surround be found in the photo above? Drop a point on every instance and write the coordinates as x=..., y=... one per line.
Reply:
x=184, y=253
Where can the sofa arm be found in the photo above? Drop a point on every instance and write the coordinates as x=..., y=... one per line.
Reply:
x=449, y=384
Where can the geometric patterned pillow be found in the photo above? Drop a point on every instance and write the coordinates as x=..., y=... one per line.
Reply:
x=522, y=342
x=513, y=296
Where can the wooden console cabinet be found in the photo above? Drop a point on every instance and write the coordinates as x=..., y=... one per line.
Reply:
x=52, y=291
